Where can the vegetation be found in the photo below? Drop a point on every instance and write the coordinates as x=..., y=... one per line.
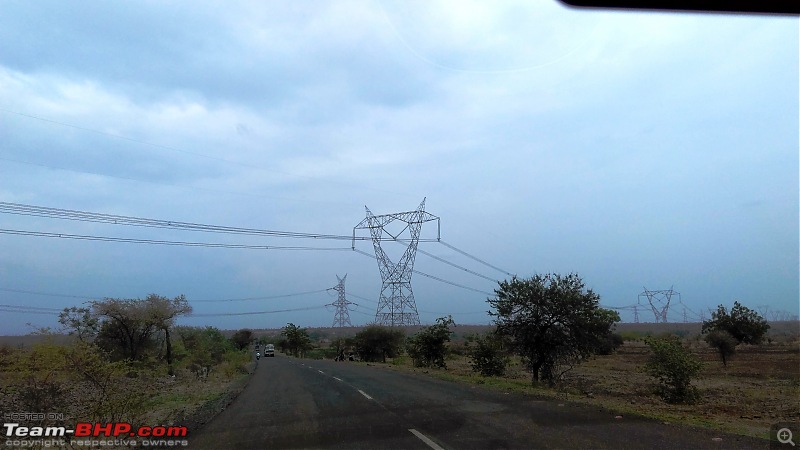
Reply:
x=242, y=338
x=552, y=322
x=377, y=342
x=674, y=367
x=488, y=355
x=128, y=362
x=427, y=347
x=727, y=330
x=298, y=342
x=723, y=342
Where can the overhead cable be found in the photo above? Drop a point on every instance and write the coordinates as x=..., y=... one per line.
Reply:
x=252, y=313
x=475, y=258
x=86, y=216
x=162, y=242
x=260, y=298
x=399, y=241
x=433, y=277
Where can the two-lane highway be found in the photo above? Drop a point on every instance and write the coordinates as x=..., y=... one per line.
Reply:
x=297, y=403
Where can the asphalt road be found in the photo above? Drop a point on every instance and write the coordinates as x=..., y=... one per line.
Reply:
x=298, y=403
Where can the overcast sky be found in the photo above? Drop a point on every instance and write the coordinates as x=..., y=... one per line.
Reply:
x=639, y=150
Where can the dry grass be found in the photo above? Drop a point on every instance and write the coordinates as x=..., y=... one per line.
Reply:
x=759, y=387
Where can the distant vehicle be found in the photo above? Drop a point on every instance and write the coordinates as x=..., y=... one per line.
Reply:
x=269, y=350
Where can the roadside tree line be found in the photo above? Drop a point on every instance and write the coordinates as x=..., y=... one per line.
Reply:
x=551, y=323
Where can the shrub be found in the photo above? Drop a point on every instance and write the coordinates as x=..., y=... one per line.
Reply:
x=377, y=342
x=427, y=347
x=673, y=366
x=488, y=356
x=724, y=342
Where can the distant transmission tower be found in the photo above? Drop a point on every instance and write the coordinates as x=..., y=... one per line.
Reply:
x=659, y=302
x=342, y=316
x=636, y=314
x=396, y=306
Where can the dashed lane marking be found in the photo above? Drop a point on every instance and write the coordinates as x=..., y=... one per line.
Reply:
x=425, y=439
x=337, y=378
x=365, y=394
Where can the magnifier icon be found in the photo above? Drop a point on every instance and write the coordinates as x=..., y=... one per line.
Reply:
x=784, y=436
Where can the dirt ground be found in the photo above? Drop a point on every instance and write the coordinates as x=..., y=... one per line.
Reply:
x=759, y=387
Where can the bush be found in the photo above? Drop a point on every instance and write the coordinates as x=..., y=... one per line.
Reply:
x=488, y=356
x=377, y=342
x=724, y=342
x=610, y=344
x=673, y=366
x=427, y=347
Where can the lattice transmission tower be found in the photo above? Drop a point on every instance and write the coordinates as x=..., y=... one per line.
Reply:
x=659, y=302
x=396, y=305
x=342, y=316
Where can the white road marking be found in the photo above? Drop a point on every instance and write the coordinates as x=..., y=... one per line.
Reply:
x=365, y=394
x=337, y=378
x=425, y=439
x=321, y=372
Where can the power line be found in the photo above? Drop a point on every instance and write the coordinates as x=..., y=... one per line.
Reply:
x=448, y=262
x=260, y=298
x=433, y=277
x=475, y=258
x=362, y=298
x=162, y=242
x=252, y=313
x=86, y=216
x=38, y=308
x=48, y=294
x=30, y=310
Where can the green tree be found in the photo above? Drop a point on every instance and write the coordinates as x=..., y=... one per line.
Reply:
x=552, y=322
x=377, y=342
x=127, y=330
x=242, y=338
x=297, y=339
x=80, y=322
x=673, y=366
x=428, y=346
x=488, y=355
x=163, y=311
x=744, y=324
x=723, y=342
x=205, y=347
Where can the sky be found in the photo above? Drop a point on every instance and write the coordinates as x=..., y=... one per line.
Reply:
x=641, y=150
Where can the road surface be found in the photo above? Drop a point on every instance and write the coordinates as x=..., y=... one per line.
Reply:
x=299, y=403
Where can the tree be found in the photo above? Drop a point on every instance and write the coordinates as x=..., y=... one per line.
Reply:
x=205, y=346
x=673, y=366
x=163, y=312
x=80, y=322
x=126, y=329
x=744, y=324
x=377, y=342
x=427, y=347
x=488, y=356
x=242, y=338
x=723, y=342
x=297, y=339
x=552, y=322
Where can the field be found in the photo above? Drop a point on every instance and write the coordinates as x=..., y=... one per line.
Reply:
x=759, y=387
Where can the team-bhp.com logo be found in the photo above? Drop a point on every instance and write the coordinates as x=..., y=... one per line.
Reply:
x=123, y=433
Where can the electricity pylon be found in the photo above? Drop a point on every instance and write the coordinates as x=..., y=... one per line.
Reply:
x=659, y=302
x=396, y=305
x=342, y=316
